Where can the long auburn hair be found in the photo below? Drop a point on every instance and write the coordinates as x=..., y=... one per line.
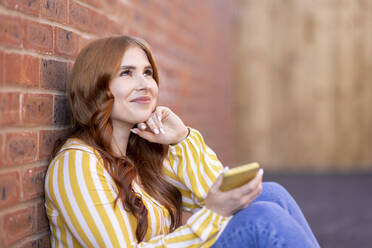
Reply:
x=91, y=103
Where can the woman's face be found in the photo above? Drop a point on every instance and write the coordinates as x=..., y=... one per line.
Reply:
x=134, y=88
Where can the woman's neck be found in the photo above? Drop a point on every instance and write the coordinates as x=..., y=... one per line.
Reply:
x=120, y=137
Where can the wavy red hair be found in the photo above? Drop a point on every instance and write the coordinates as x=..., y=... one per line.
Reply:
x=91, y=103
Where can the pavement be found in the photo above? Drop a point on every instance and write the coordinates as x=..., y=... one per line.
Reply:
x=338, y=206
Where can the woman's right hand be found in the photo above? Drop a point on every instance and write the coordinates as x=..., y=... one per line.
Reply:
x=229, y=202
x=163, y=127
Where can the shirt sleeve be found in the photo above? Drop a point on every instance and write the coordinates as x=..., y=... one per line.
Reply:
x=193, y=168
x=84, y=193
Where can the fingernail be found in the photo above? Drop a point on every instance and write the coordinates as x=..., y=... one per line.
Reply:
x=159, y=117
x=261, y=172
x=134, y=131
x=156, y=131
x=162, y=130
x=143, y=126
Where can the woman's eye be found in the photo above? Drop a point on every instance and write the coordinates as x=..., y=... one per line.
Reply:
x=148, y=72
x=124, y=73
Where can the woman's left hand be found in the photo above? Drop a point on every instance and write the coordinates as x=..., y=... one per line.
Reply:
x=163, y=127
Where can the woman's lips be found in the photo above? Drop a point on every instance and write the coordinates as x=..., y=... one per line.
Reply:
x=142, y=100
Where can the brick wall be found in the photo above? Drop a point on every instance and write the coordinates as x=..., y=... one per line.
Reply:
x=39, y=39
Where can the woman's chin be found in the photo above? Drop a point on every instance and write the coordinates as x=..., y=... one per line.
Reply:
x=141, y=119
x=136, y=117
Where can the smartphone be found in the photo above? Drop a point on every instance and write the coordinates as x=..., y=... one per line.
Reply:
x=238, y=176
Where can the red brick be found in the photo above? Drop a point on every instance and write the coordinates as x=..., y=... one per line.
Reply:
x=1, y=67
x=9, y=108
x=95, y=3
x=1, y=233
x=33, y=182
x=138, y=16
x=18, y=224
x=126, y=10
x=9, y=189
x=111, y=6
x=54, y=10
x=62, y=111
x=42, y=242
x=21, y=70
x=11, y=31
x=108, y=6
x=42, y=219
x=47, y=142
x=38, y=37
x=66, y=43
x=20, y=148
x=83, y=42
x=37, y=109
x=1, y=149
x=54, y=74
x=101, y=25
x=80, y=16
x=28, y=6
x=70, y=66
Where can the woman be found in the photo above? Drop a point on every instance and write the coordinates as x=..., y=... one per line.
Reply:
x=129, y=168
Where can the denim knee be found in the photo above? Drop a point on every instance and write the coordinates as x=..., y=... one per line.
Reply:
x=274, y=187
x=274, y=192
x=271, y=221
x=263, y=211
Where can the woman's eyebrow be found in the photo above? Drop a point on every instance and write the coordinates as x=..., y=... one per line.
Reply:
x=127, y=67
x=133, y=67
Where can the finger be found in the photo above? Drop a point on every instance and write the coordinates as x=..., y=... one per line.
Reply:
x=142, y=126
x=162, y=112
x=151, y=124
x=157, y=120
x=252, y=185
x=216, y=186
x=144, y=134
x=159, y=114
x=258, y=178
x=249, y=199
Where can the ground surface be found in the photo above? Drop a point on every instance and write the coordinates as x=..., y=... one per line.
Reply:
x=337, y=206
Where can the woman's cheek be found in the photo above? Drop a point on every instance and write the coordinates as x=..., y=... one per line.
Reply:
x=154, y=106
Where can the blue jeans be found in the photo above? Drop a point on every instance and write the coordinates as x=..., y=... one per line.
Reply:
x=273, y=219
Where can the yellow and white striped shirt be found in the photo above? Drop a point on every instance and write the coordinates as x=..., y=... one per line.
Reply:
x=80, y=197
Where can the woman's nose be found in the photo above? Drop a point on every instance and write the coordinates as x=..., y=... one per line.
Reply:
x=142, y=83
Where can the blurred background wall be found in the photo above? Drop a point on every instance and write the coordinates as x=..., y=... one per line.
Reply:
x=304, y=84
x=39, y=40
